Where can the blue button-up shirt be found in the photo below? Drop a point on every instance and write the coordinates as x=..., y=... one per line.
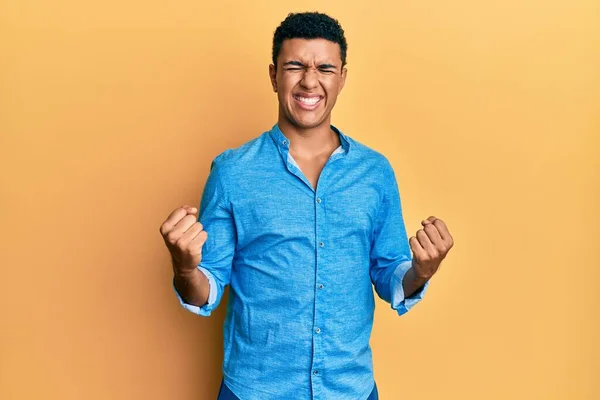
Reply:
x=301, y=264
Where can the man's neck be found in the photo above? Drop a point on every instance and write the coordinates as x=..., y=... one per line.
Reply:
x=310, y=143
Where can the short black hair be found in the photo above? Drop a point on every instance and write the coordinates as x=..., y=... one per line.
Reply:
x=309, y=25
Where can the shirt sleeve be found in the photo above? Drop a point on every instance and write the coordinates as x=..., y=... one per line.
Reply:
x=390, y=251
x=217, y=252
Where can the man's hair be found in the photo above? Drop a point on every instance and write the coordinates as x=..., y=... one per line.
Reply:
x=309, y=25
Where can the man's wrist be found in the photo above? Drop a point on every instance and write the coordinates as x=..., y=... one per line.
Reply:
x=414, y=278
x=185, y=273
x=192, y=285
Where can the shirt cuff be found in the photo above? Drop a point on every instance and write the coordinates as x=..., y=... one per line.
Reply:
x=206, y=309
x=400, y=303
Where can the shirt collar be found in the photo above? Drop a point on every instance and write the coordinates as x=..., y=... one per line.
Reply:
x=283, y=142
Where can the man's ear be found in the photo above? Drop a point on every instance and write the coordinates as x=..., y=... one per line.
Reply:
x=343, y=78
x=273, y=77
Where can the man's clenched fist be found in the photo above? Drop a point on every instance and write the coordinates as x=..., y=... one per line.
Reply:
x=184, y=238
x=429, y=247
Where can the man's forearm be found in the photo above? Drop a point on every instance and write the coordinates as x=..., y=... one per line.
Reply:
x=411, y=282
x=192, y=286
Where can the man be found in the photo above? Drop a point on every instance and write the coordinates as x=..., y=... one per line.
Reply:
x=301, y=221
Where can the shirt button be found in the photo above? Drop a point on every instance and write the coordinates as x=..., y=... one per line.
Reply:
x=318, y=199
x=315, y=372
x=320, y=286
x=321, y=244
x=284, y=142
x=318, y=330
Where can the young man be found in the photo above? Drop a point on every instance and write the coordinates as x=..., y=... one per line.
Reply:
x=301, y=221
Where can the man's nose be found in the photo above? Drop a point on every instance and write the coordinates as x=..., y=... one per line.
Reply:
x=310, y=79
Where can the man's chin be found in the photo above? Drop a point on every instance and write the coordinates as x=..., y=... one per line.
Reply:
x=308, y=123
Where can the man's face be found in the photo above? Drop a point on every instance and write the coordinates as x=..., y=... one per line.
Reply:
x=308, y=79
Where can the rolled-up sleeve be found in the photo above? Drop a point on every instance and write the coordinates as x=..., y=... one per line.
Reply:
x=217, y=252
x=390, y=255
x=205, y=310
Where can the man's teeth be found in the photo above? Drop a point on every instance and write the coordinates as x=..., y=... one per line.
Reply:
x=309, y=100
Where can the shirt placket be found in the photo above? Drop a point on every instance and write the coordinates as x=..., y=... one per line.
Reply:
x=320, y=291
x=321, y=248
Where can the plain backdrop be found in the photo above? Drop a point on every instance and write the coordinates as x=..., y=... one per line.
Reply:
x=111, y=112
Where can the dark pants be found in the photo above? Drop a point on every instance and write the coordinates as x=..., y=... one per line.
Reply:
x=226, y=394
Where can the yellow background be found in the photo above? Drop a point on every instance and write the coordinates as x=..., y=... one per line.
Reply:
x=112, y=111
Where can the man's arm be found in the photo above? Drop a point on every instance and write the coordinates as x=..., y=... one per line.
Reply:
x=202, y=258
x=392, y=270
x=399, y=278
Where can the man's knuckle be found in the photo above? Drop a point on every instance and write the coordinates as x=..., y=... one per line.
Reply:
x=172, y=237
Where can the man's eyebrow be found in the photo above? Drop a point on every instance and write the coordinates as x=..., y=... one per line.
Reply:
x=297, y=63
x=300, y=64
x=327, y=66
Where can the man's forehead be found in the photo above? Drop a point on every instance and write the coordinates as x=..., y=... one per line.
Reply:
x=311, y=50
